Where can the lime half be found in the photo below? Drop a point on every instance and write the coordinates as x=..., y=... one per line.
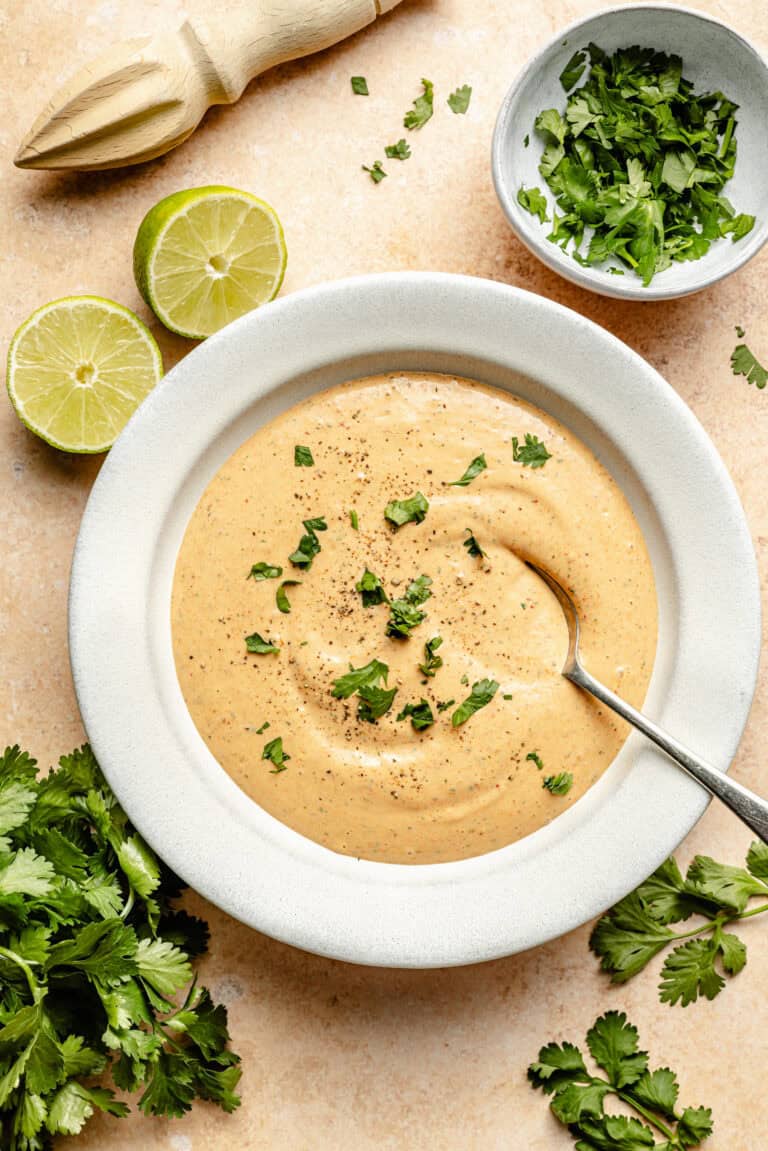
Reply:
x=206, y=256
x=77, y=370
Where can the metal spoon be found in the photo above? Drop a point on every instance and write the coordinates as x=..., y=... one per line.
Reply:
x=750, y=808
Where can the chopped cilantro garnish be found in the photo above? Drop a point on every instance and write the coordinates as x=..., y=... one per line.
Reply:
x=458, y=101
x=745, y=363
x=404, y=612
x=423, y=106
x=507, y=695
x=578, y=1095
x=273, y=751
x=359, y=85
x=376, y=171
x=532, y=454
x=263, y=728
x=638, y=163
x=302, y=457
x=354, y=520
x=534, y=757
x=474, y=469
x=472, y=546
x=399, y=151
x=526, y=140
x=533, y=201
x=412, y=510
x=371, y=589
x=309, y=544
x=262, y=571
x=481, y=695
x=432, y=662
x=259, y=646
x=559, y=784
x=374, y=702
x=281, y=598
x=420, y=714
x=444, y=704
x=369, y=676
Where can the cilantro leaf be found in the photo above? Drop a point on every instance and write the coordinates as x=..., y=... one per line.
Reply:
x=371, y=589
x=689, y=971
x=25, y=873
x=309, y=544
x=532, y=454
x=371, y=675
x=474, y=469
x=423, y=107
x=695, y=1126
x=420, y=714
x=162, y=965
x=354, y=520
x=472, y=546
x=273, y=751
x=559, y=784
x=533, y=201
x=262, y=571
x=757, y=860
x=281, y=598
x=480, y=696
x=458, y=101
x=375, y=171
x=613, y=1044
x=412, y=510
x=359, y=85
x=730, y=887
x=573, y=70
x=399, y=151
x=374, y=702
x=444, y=704
x=405, y=613
x=302, y=457
x=534, y=757
x=257, y=645
x=628, y=938
x=745, y=363
x=432, y=663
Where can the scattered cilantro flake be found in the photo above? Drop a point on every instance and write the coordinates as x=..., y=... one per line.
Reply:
x=354, y=520
x=745, y=363
x=423, y=106
x=559, y=784
x=740, y=331
x=273, y=751
x=464, y=679
x=371, y=675
x=263, y=728
x=472, y=546
x=507, y=695
x=262, y=571
x=281, y=597
x=302, y=457
x=259, y=646
x=371, y=589
x=533, y=201
x=444, y=704
x=376, y=171
x=534, y=757
x=399, y=151
x=405, y=613
x=526, y=140
x=309, y=544
x=638, y=163
x=532, y=454
x=420, y=714
x=432, y=663
x=718, y=895
x=92, y=956
x=474, y=469
x=458, y=101
x=374, y=702
x=480, y=696
x=579, y=1096
x=412, y=510
x=359, y=85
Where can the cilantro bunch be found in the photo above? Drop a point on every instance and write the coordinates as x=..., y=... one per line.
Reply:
x=578, y=1096
x=92, y=961
x=637, y=164
x=716, y=894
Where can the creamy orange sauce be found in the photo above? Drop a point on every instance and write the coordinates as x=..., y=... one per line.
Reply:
x=384, y=791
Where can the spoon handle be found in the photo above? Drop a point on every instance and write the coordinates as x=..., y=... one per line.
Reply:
x=750, y=808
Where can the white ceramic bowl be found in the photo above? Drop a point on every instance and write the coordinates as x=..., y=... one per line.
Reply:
x=217, y=838
x=714, y=57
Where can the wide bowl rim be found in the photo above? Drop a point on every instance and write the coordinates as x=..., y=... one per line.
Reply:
x=616, y=287
x=196, y=817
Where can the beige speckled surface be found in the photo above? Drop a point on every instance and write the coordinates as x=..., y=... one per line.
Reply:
x=340, y=1058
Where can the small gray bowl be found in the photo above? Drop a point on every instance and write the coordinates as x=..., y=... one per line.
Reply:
x=714, y=57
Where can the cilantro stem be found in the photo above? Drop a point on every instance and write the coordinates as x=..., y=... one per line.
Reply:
x=128, y=904
x=35, y=988
x=651, y=1118
x=747, y=914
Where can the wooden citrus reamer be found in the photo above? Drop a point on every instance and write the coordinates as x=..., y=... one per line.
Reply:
x=145, y=96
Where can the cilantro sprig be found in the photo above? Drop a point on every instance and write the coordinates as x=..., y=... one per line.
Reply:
x=633, y=932
x=95, y=963
x=579, y=1096
x=368, y=683
x=637, y=164
x=532, y=453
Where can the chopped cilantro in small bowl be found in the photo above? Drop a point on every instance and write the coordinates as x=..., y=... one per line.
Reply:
x=630, y=155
